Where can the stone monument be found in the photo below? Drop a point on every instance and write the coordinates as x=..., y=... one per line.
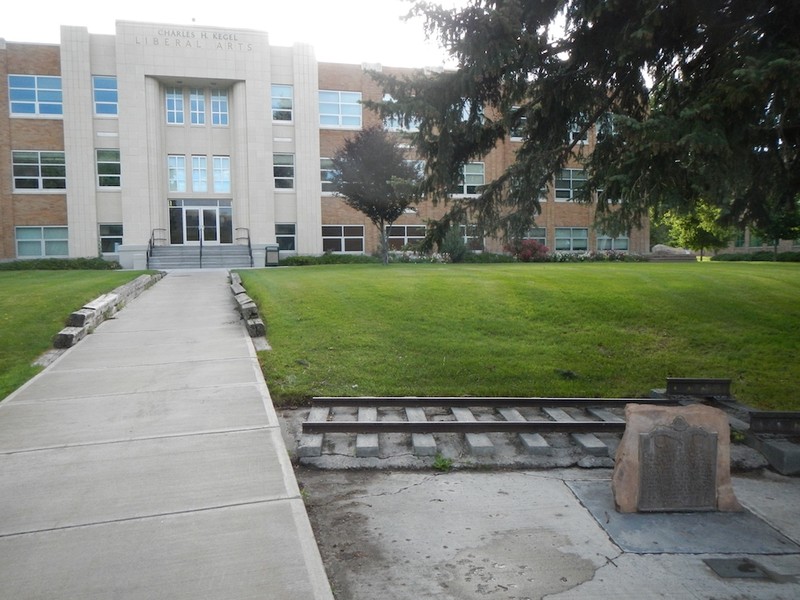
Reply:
x=674, y=458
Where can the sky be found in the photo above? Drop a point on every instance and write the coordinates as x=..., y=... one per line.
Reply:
x=347, y=31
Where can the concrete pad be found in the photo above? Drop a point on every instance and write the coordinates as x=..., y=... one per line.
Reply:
x=125, y=417
x=236, y=552
x=80, y=485
x=680, y=533
x=79, y=383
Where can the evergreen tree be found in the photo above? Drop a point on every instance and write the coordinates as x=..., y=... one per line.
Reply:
x=687, y=101
x=372, y=175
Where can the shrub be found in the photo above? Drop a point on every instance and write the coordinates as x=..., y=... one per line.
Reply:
x=487, y=258
x=453, y=245
x=60, y=264
x=529, y=251
x=328, y=258
x=760, y=256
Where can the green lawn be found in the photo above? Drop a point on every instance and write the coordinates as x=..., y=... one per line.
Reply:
x=34, y=306
x=530, y=329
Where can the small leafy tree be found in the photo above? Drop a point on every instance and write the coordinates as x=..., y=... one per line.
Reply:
x=778, y=223
x=371, y=174
x=699, y=229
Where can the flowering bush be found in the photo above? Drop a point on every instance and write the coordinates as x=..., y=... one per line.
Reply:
x=529, y=251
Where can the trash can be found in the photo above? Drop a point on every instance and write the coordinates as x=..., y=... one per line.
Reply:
x=272, y=255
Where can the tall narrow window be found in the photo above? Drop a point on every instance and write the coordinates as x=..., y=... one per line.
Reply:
x=219, y=108
x=285, y=235
x=199, y=174
x=282, y=103
x=197, y=107
x=222, y=174
x=283, y=170
x=108, y=168
x=175, y=106
x=110, y=237
x=39, y=170
x=176, y=165
x=32, y=95
x=106, y=99
x=326, y=174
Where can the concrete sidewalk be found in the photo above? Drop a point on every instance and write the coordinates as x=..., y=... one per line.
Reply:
x=147, y=462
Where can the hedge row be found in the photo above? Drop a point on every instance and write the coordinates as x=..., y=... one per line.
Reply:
x=60, y=264
x=762, y=255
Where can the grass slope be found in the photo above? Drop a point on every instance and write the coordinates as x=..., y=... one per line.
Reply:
x=598, y=330
x=34, y=306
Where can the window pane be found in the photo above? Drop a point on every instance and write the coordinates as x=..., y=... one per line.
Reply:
x=55, y=233
x=29, y=233
x=331, y=245
x=29, y=249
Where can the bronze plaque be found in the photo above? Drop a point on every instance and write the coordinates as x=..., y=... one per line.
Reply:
x=677, y=469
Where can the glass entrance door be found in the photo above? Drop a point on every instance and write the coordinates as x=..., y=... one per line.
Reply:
x=193, y=220
x=201, y=222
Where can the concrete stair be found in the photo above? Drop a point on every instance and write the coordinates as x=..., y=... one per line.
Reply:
x=229, y=256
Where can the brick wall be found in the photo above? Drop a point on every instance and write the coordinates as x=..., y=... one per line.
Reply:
x=26, y=134
x=335, y=212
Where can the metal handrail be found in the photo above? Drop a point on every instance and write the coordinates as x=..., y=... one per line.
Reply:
x=201, y=233
x=152, y=243
x=246, y=236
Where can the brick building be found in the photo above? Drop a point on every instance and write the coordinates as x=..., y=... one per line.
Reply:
x=189, y=135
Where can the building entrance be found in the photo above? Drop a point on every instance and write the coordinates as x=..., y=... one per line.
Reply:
x=192, y=222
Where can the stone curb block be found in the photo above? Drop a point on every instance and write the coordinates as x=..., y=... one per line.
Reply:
x=247, y=308
x=256, y=328
x=82, y=321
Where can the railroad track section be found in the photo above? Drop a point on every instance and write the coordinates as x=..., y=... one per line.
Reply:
x=474, y=418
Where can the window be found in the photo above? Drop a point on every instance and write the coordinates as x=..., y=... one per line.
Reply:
x=340, y=109
x=466, y=111
x=755, y=240
x=222, y=174
x=199, y=174
x=39, y=170
x=568, y=183
x=105, y=95
x=197, y=107
x=739, y=243
x=109, y=169
x=606, y=242
x=537, y=234
x=282, y=103
x=326, y=174
x=343, y=238
x=175, y=106
x=572, y=239
x=31, y=95
x=176, y=166
x=405, y=235
x=394, y=123
x=219, y=108
x=285, y=235
x=283, y=171
x=472, y=236
x=577, y=134
x=471, y=181
x=34, y=242
x=518, y=129
x=110, y=237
